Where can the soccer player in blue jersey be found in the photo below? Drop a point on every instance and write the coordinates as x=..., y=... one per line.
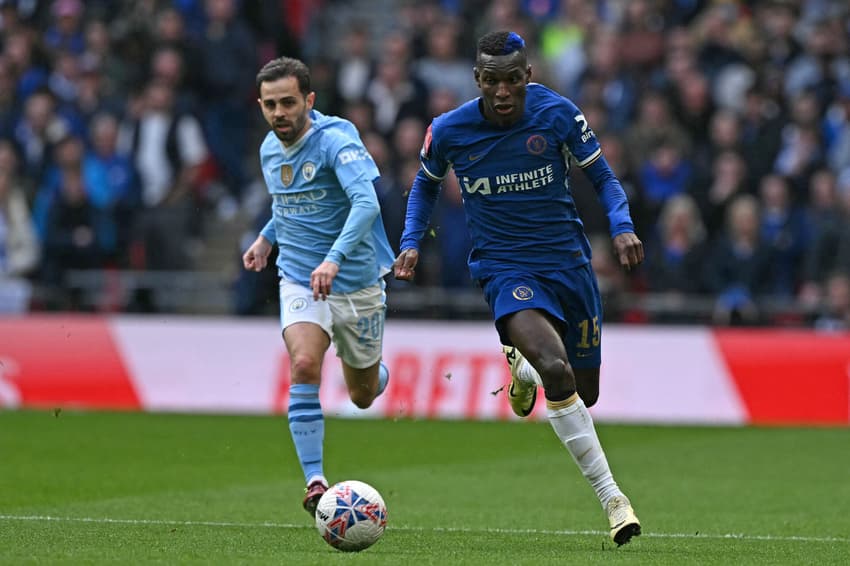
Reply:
x=512, y=149
x=332, y=254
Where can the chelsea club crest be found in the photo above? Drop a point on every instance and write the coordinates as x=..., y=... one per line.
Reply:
x=523, y=293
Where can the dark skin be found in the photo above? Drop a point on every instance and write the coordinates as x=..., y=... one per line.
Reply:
x=502, y=80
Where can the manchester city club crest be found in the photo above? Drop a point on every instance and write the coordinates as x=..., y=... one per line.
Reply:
x=298, y=305
x=523, y=293
x=286, y=175
x=308, y=170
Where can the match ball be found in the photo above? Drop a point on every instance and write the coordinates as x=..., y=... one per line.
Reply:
x=351, y=516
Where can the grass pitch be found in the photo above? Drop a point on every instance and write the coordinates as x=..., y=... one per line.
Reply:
x=106, y=488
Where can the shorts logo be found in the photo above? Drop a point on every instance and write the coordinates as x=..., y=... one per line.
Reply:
x=536, y=144
x=298, y=305
x=286, y=175
x=308, y=170
x=523, y=293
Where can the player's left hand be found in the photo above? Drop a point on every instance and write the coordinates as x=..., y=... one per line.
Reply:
x=322, y=278
x=629, y=249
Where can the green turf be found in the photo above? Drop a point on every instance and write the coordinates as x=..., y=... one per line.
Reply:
x=104, y=488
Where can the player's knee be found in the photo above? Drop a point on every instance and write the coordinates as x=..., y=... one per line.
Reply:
x=361, y=397
x=589, y=395
x=555, y=374
x=306, y=368
x=587, y=385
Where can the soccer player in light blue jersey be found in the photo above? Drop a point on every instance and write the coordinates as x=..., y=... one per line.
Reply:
x=332, y=254
x=512, y=150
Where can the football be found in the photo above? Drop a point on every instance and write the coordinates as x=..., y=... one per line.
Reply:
x=351, y=516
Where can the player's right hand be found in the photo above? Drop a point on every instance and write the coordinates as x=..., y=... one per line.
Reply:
x=256, y=257
x=404, y=267
x=629, y=250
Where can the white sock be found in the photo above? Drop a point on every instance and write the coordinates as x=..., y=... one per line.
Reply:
x=574, y=426
x=526, y=372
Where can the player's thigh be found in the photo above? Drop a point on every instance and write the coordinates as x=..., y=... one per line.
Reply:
x=536, y=333
x=358, y=327
x=307, y=326
x=522, y=303
x=582, y=306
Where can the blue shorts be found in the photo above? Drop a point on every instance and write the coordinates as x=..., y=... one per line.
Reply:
x=571, y=296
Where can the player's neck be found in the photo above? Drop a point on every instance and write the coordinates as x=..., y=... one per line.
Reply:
x=307, y=126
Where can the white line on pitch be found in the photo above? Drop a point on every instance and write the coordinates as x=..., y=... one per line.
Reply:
x=166, y=522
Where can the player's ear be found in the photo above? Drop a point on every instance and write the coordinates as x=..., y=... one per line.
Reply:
x=528, y=74
x=311, y=99
x=477, y=76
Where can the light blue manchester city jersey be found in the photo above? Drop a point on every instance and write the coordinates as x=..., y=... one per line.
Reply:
x=324, y=205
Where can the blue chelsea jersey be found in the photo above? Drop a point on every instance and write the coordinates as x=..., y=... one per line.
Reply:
x=514, y=180
x=315, y=185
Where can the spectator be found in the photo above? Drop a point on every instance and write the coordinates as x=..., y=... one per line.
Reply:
x=169, y=152
x=65, y=33
x=114, y=188
x=354, y=65
x=228, y=63
x=760, y=131
x=19, y=247
x=738, y=267
x=665, y=174
x=835, y=313
x=27, y=61
x=654, y=123
x=442, y=67
x=8, y=101
x=452, y=236
x=395, y=94
x=678, y=249
x=38, y=132
x=562, y=46
x=784, y=230
x=728, y=180
x=71, y=233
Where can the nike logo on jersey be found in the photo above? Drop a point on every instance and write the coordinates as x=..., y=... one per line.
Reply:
x=474, y=156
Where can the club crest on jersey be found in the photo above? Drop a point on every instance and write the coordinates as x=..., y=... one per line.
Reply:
x=523, y=293
x=536, y=144
x=286, y=175
x=308, y=171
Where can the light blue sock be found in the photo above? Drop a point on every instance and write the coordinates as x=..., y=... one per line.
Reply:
x=307, y=427
x=383, y=378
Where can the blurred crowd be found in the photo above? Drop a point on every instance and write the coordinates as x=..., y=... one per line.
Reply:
x=129, y=131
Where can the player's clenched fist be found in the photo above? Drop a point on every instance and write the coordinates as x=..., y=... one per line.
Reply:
x=404, y=266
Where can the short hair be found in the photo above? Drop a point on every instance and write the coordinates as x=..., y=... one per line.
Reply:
x=286, y=67
x=501, y=43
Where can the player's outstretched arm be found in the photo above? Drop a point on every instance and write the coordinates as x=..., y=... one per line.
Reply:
x=629, y=249
x=256, y=257
x=404, y=267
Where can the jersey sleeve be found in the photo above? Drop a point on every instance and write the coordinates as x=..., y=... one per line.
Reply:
x=579, y=138
x=432, y=156
x=355, y=170
x=585, y=149
x=351, y=162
